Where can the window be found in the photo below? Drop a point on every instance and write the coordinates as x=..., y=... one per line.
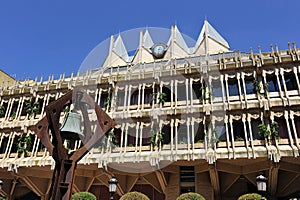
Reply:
x=146, y=135
x=249, y=85
x=216, y=88
x=167, y=91
x=220, y=130
x=297, y=124
x=3, y=145
x=254, y=129
x=197, y=90
x=199, y=132
x=131, y=139
x=182, y=134
x=233, y=87
x=282, y=128
x=167, y=133
x=120, y=98
x=290, y=81
x=272, y=83
x=238, y=129
x=104, y=100
x=148, y=95
x=181, y=92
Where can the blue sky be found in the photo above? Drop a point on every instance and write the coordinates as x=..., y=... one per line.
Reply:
x=39, y=37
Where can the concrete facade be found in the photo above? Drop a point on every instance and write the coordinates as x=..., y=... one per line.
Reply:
x=202, y=136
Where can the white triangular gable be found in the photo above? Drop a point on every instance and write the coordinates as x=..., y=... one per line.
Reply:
x=119, y=48
x=215, y=42
x=177, y=47
x=143, y=53
x=147, y=40
x=117, y=55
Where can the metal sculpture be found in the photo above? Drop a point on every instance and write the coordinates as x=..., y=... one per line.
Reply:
x=63, y=176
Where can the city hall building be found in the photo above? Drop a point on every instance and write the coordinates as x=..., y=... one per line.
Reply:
x=202, y=119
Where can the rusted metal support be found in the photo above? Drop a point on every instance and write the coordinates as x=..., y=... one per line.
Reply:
x=63, y=176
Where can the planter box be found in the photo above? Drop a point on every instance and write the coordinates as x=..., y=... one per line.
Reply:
x=259, y=142
x=222, y=144
x=283, y=141
x=198, y=145
x=239, y=143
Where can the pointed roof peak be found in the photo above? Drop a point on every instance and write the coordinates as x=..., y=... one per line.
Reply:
x=147, y=40
x=119, y=48
x=178, y=38
x=212, y=33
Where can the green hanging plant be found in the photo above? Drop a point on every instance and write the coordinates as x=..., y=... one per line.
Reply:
x=238, y=138
x=202, y=92
x=32, y=109
x=206, y=93
x=66, y=109
x=160, y=138
x=256, y=86
x=154, y=97
x=274, y=130
x=24, y=145
x=263, y=130
x=14, y=115
x=112, y=135
x=2, y=111
x=162, y=98
x=107, y=103
x=214, y=139
x=152, y=138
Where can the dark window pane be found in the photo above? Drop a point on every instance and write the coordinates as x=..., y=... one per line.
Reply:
x=290, y=81
x=249, y=85
x=272, y=83
x=233, y=87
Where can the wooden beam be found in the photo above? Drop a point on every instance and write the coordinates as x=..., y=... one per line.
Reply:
x=13, y=187
x=3, y=193
x=83, y=183
x=161, y=179
x=153, y=181
x=89, y=185
x=251, y=178
x=286, y=186
x=214, y=178
x=75, y=189
x=257, y=167
x=201, y=168
x=290, y=167
x=229, y=168
x=247, y=169
x=229, y=181
x=171, y=169
x=121, y=183
x=273, y=179
x=130, y=182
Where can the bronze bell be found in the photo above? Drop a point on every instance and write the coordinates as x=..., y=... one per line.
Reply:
x=71, y=127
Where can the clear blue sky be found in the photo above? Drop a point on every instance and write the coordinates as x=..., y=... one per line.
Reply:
x=41, y=37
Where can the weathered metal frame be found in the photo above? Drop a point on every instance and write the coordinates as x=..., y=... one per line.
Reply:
x=65, y=164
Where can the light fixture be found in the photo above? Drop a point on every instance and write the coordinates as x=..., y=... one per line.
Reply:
x=261, y=182
x=112, y=186
x=1, y=184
